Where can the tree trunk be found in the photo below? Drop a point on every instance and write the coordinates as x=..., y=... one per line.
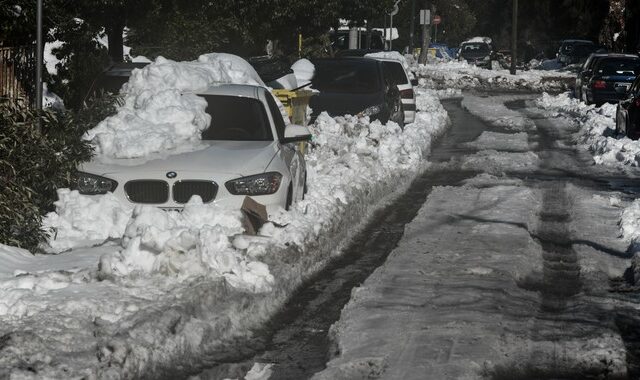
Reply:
x=116, y=42
x=426, y=37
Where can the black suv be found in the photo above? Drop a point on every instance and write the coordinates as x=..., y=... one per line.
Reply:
x=355, y=86
x=575, y=51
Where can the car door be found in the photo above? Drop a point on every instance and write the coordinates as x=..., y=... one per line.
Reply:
x=628, y=107
x=289, y=153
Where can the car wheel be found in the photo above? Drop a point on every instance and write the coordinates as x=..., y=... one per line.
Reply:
x=305, y=188
x=289, y=198
x=397, y=114
x=629, y=130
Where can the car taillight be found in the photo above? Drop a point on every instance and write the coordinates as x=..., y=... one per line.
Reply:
x=600, y=84
x=407, y=94
x=637, y=103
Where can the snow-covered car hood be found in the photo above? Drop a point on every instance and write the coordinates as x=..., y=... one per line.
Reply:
x=231, y=157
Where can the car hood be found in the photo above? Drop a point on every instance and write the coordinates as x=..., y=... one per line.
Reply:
x=239, y=158
x=338, y=104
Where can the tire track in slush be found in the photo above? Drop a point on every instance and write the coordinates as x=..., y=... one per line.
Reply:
x=564, y=315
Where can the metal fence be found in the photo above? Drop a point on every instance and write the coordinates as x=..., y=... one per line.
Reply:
x=17, y=74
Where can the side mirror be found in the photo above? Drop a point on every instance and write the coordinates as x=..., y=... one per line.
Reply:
x=295, y=133
x=414, y=82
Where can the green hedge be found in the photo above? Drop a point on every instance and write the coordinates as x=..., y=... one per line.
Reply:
x=35, y=162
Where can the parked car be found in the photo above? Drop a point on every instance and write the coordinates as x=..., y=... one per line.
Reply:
x=628, y=112
x=395, y=70
x=585, y=73
x=477, y=51
x=611, y=79
x=275, y=72
x=113, y=78
x=355, y=86
x=250, y=152
x=575, y=51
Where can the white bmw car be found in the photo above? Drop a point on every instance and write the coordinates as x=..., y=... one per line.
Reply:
x=250, y=151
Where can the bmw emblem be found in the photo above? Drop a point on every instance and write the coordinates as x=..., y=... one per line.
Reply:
x=172, y=175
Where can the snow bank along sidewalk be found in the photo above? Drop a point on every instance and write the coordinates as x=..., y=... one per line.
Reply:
x=167, y=288
x=461, y=75
x=597, y=129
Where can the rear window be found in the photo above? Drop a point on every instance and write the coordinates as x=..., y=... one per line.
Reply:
x=395, y=72
x=235, y=118
x=619, y=67
x=475, y=47
x=346, y=76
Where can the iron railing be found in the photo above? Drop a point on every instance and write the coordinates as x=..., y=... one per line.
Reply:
x=17, y=74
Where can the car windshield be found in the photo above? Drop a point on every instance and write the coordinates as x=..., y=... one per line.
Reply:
x=346, y=76
x=236, y=118
x=475, y=47
x=568, y=47
x=619, y=67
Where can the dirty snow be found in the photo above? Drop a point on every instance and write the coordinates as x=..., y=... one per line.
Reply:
x=462, y=75
x=597, y=129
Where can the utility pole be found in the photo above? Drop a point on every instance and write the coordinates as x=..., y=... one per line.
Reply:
x=413, y=25
x=39, y=59
x=393, y=12
x=514, y=37
x=426, y=37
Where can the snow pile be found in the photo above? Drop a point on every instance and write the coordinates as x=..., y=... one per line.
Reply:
x=462, y=75
x=630, y=222
x=81, y=220
x=160, y=112
x=304, y=70
x=196, y=241
x=597, y=129
x=394, y=55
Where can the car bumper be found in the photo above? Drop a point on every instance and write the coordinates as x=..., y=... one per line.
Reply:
x=605, y=96
x=222, y=197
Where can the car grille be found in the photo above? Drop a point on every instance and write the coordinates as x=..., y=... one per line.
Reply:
x=147, y=191
x=183, y=190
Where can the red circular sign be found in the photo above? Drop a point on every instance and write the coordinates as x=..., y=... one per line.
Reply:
x=436, y=20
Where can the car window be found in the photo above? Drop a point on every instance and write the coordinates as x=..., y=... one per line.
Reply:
x=395, y=72
x=618, y=67
x=236, y=118
x=277, y=116
x=346, y=76
x=478, y=47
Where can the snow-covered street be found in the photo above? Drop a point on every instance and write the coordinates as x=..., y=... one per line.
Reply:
x=506, y=273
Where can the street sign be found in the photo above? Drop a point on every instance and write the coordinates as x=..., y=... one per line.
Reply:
x=425, y=17
x=436, y=20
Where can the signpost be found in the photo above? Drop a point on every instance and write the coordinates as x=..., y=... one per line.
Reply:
x=425, y=17
x=436, y=21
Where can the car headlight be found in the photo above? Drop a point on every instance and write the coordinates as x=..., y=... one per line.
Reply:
x=91, y=184
x=370, y=111
x=259, y=184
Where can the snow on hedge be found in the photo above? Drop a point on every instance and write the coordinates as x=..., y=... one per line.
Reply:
x=161, y=112
x=460, y=74
x=178, y=286
x=597, y=129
